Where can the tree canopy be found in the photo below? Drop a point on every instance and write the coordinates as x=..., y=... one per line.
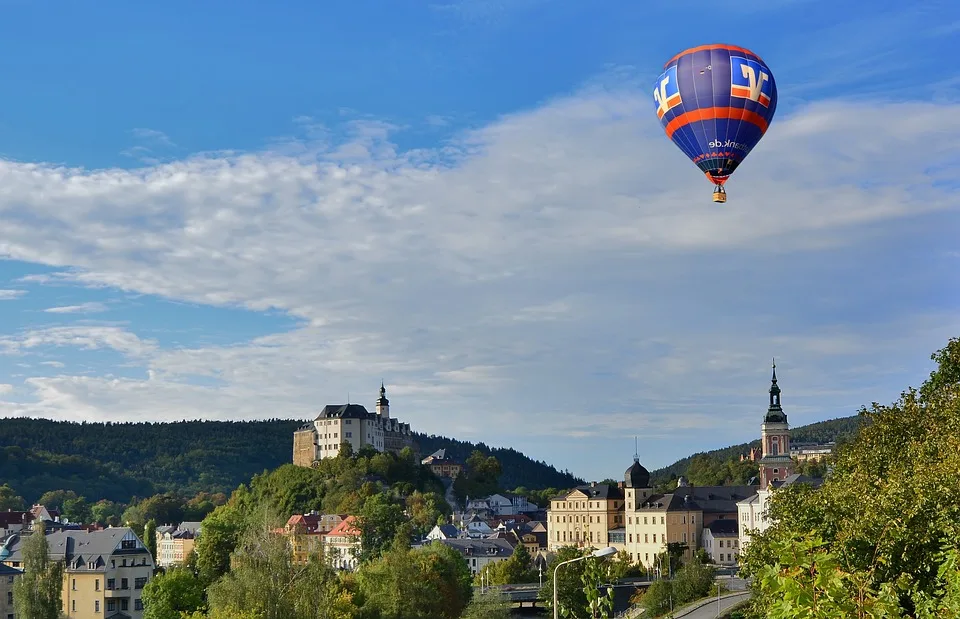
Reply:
x=880, y=537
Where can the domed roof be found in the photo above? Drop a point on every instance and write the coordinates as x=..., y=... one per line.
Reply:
x=636, y=476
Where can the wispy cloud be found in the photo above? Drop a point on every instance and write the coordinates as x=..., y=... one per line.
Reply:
x=89, y=307
x=543, y=266
x=11, y=295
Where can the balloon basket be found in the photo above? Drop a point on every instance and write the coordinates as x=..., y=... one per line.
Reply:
x=719, y=195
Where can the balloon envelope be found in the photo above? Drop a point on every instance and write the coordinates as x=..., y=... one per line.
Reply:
x=715, y=102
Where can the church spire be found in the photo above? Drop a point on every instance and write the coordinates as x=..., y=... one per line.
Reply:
x=775, y=412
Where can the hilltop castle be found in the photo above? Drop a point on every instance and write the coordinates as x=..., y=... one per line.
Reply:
x=353, y=424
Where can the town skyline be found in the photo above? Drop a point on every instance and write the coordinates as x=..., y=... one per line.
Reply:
x=254, y=214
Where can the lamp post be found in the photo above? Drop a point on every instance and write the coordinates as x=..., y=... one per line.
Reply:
x=603, y=553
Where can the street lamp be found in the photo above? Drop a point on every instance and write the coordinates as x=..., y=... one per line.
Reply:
x=603, y=553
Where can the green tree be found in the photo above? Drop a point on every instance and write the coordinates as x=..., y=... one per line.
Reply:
x=36, y=594
x=431, y=582
x=107, y=513
x=150, y=537
x=488, y=605
x=171, y=593
x=265, y=580
x=221, y=533
x=379, y=522
x=571, y=599
x=884, y=523
x=10, y=500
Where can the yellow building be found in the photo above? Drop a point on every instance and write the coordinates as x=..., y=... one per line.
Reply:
x=105, y=571
x=442, y=465
x=8, y=576
x=585, y=516
x=174, y=544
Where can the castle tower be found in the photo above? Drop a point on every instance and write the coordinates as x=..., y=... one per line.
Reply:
x=636, y=483
x=383, y=404
x=775, y=462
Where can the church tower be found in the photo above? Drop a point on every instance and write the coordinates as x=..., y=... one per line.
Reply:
x=775, y=463
x=383, y=404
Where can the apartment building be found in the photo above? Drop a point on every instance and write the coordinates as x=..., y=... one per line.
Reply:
x=174, y=543
x=8, y=577
x=105, y=571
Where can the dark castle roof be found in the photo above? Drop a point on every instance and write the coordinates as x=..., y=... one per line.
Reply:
x=345, y=411
x=636, y=476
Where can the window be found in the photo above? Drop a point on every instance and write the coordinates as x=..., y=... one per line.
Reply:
x=111, y=584
x=73, y=585
x=124, y=583
x=96, y=584
x=140, y=583
x=96, y=606
x=111, y=605
x=9, y=598
x=644, y=520
x=684, y=538
x=73, y=606
x=646, y=538
x=138, y=604
x=124, y=604
x=348, y=434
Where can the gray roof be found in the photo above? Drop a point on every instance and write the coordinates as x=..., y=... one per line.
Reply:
x=345, y=411
x=94, y=547
x=449, y=530
x=723, y=528
x=480, y=547
x=709, y=499
x=797, y=478
x=601, y=491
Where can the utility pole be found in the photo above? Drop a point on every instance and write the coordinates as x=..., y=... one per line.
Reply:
x=718, y=599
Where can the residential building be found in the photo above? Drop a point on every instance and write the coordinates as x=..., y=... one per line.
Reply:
x=480, y=552
x=810, y=452
x=508, y=504
x=105, y=573
x=354, y=425
x=8, y=577
x=305, y=537
x=342, y=545
x=721, y=541
x=442, y=465
x=443, y=531
x=174, y=543
x=13, y=522
x=754, y=515
x=585, y=515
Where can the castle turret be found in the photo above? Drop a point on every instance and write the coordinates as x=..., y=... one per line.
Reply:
x=383, y=404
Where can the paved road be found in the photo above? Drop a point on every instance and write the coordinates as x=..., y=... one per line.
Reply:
x=710, y=610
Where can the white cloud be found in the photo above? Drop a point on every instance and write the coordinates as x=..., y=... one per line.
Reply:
x=563, y=265
x=89, y=307
x=10, y=295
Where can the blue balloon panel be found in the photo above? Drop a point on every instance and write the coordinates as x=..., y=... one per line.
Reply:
x=715, y=102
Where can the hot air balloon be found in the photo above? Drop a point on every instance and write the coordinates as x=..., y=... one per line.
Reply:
x=715, y=102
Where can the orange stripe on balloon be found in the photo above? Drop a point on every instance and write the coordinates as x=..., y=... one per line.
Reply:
x=703, y=48
x=709, y=113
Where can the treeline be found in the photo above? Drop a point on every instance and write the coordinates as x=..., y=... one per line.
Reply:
x=723, y=466
x=120, y=461
x=517, y=469
x=880, y=537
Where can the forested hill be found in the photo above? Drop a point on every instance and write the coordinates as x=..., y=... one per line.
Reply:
x=840, y=429
x=117, y=461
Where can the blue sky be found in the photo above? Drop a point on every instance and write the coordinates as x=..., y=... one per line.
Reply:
x=235, y=211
